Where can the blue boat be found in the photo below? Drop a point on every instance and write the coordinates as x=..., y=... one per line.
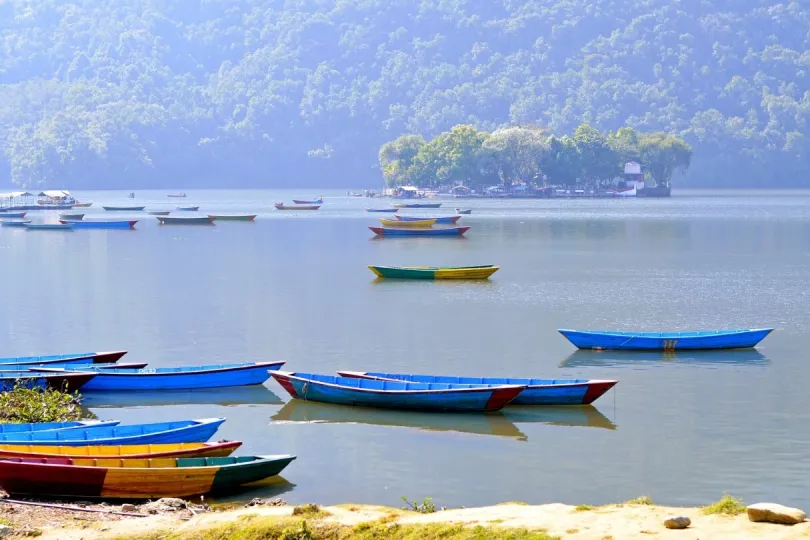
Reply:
x=82, y=365
x=53, y=426
x=446, y=220
x=175, y=378
x=67, y=226
x=157, y=433
x=99, y=224
x=12, y=215
x=65, y=380
x=15, y=223
x=75, y=358
x=436, y=397
x=390, y=231
x=666, y=341
x=537, y=392
x=383, y=210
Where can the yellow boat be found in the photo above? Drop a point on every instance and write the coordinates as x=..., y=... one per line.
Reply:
x=419, y=224
x=132, y=451
x=434, y=272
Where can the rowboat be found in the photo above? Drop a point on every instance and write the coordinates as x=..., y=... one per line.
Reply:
x=83, y=358
x=176, y=195
x=315, y=201
x=156, y=433
x=70, y=217
x=49, y=226
x=158, y=212
x=441, y=220
x=188, y=208
x=52, y=426
x=129, y=451
x=78, y=204
x=385, y=210
x=195, y=220
x=232, y=217
x=15, y=223
x=135, y=478
x=417, y=205
x=537, y=392
x=59, y=381
x=434, y=272
x=416, y=224
x=282, y=206
x=396, y=394
x=176, y=378
x=123, y=208
x=666, y=341
x=463, y=211
x=12, y=215
x=396, y=231
x=100, y=224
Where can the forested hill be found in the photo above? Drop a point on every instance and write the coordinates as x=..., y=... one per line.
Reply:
x=140, y=93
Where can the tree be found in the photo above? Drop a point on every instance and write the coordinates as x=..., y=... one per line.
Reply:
x=396, y=159
x=453, y=156
x=663, y=154
x=562, y=163
x=599, y=161
x=625, y=143
x=517, y=152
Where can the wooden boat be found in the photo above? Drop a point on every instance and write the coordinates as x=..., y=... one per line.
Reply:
x=315, y=201
x=12, y=215
x=195, y=220
x=385, y=210
x=188, y=208
x=129, y=451
x=82, y=358
x=417, y=205
x=15, y=223
x=176, y=378
x=441, y=220
x=282, y=206
x=155, y=433
x=395, y=394
x=100, y=224
x=123, y=208
x=135, y=478
x=416, y=224
x=53, y=426
x=159, y=212
x=396, y=231
x=68, y=226
x=70, y=217
x=463, y=211
x=537, y=392
x=434, y=272
x=78, y=204
x=176, y=195
x=232, y=217
x=65, y=381
x=666, y=341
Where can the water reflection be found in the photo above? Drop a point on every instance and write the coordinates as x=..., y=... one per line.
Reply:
x=431, y=282
x=275, y=486
x=562, y=415
x=238, y=395
x=740, y=357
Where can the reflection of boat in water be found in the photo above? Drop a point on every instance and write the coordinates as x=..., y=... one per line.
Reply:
x=558, y=415
x=269, y=488
x=739, y=357
x=234, y=395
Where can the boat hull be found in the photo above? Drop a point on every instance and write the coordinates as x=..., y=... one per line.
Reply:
x=245, y=217
x=396, y=395
x=169, y=220
x=297, y=207
x=449, y=231
x=463, y=212
x=129, y=451
x=383, y=210
x=434, y=273
x=68, y=226
x=444, y=220
x=316, y=201
x=188, y=208
x=417, y=205
x=22, y=223
x=123, y=208
x=666, y=341
x=412, y=224
x=20, y=215
x=66, y=382
x=129, y=224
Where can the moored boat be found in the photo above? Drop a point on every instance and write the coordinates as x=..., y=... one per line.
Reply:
x=66, y=381
x=441, y=220
x=396, y=394
x=110, y=357
x=135, y=479
x=417, y=205
x=79, y=204
x=188, y=208
x=413, y=224
x=319, y=200
x=67, y=226
x=383, y=210
x=12, y=215
x=194, y=220
x=178, y=378
x=463, y=211
x=397, y=231
x=537, y=392
x=282, y=206
x=53, y=426
x=70, y=217
x=232, y=217
x=15, y=223
x=159, y=212
x=180, y=195
x=434, y=272
x=666, y=341
x=103, y=224
x=128, y=451
x=123, y=208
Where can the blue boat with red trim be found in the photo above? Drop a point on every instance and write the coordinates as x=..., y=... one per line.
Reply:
x=666, y=341
x=394, y=231
x=73, y=358
x=537, y=392
x=434, y=397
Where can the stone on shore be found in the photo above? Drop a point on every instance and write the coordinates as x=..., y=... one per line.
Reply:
x=775, y=513
x=677, y=522
x=5, y=530
x=129, y=508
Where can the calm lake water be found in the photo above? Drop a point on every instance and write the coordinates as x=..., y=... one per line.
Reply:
x=294, y=286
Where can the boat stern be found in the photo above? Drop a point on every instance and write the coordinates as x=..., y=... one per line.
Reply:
x=501, y=396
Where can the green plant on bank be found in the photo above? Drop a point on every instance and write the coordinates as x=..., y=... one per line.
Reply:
x=425, y=507
x=27, y=405
x=641, y=500
x=583, y=508
x=727, y=505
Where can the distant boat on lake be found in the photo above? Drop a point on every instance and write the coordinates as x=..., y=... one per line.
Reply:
x=232, y=217
x=442, y=219
x=190, y=220
x=449, y=231
x=385, y=210
x=319, y=200
x=188, y=208
x=102, y=224
x=666, y=341
x=434, y=272
x=67, y=226
x=176, y=195
x=282, y=206
x=159, y=212
x=123, y=208
x=417, y=205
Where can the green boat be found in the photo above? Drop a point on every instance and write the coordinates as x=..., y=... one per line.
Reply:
x=434, y=272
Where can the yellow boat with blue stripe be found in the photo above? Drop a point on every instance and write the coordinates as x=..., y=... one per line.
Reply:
x=434, y=272
x=416, y=224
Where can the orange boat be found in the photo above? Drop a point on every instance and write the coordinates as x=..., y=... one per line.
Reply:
x=128, y=451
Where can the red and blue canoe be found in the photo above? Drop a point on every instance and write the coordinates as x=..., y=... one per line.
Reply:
x=393, y=231
x=436, y=397
x=537, y=392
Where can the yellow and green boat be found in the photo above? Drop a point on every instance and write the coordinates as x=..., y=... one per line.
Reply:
x=434, y=272
x=417, y=224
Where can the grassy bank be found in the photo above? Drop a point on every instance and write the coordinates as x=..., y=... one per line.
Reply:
x=29, y=405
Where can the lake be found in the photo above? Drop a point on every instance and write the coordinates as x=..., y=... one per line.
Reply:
x=294, y=286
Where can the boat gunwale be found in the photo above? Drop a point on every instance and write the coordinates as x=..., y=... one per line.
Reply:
x=664, y=335
x=110, y=371
x=365, y=375
x=258, y=459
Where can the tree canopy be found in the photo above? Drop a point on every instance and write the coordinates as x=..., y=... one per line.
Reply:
x=148, y=93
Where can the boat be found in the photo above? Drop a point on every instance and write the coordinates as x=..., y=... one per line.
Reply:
x=129, y=451
x=415, y=224
x=158, y=212
x=232, y=217
x=666, y=341
x=396, y=231
x=537, y=392
x=131, y=196
x=79, y=204
x=53, y=426
x=49, y=226
x=101, y=224
x=417, y=205
x=15, y=223
x=83, y=358
x=135, y=478
x=441, y=220
x=463, y=211
x=176, y=195
x=80, y=365
x=65, y=381
x=434, y=272
x=174, y=378
x=282, y=206
x=12, y=215
x=70, y=217
x=123, y=208
x=188, y=208
x=155, y=433
x=319, y=200
x=385, y=210
x=396, y=394
x=195, y=220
